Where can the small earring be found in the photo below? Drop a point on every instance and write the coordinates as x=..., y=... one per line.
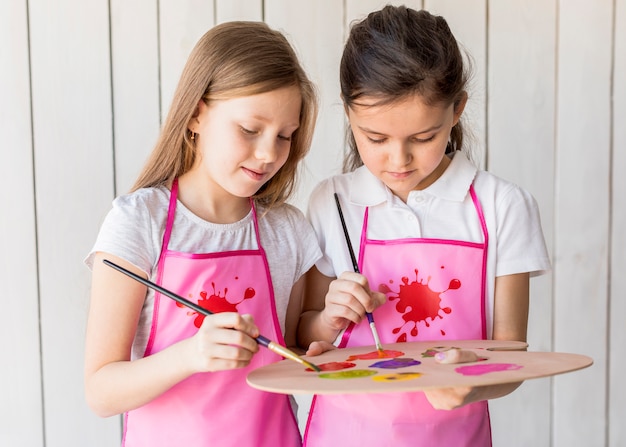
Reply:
x=193, y=136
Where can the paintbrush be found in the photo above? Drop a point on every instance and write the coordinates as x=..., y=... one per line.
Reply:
x=263, y=341
x=355, y=265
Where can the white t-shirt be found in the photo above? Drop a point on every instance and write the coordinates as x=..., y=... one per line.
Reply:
x=443, y=210
x=133, y=230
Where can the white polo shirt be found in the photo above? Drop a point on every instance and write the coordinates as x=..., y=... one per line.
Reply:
x=443, y=210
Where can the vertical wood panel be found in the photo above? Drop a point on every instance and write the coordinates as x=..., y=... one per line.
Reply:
x=181, y=23
x=227, y=10
x=359, y=9
x=521, y=117
x=468, y=22
x=582, y=211
x=135, y=69
x=617, y=339
x=319, y=51
x=21, y=423
x=73, y=177
x=521, y=110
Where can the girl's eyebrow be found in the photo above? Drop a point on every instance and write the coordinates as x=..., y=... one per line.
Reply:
x=264, y=119
x=430, y=129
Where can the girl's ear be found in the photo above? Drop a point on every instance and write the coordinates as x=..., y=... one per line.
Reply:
x=194, y=121
x=459, y=106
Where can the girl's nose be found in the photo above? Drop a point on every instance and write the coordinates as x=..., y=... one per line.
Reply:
x=400, y=154
x=267, y=150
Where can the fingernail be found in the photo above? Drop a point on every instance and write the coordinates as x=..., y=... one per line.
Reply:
x=440, y=356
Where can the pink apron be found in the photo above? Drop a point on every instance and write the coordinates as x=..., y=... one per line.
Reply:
x=436, y=291
x=216, y=408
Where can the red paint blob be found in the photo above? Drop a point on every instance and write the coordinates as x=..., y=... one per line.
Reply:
x=334, y=366
x=249, y=293
x=217, y=303
x=417, y=303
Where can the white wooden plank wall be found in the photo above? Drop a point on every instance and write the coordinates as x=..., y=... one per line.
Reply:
x=21, y=415
x=521, y=110
x=582, y=213
x=616, y=428
x=84, y=86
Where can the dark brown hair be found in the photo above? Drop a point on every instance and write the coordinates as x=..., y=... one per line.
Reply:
x=232, y=60
x=397, y=52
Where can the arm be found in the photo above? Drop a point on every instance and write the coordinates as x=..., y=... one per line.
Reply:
x=294, y=309
x=115, y=384
x=331, y=304
x=510, y=323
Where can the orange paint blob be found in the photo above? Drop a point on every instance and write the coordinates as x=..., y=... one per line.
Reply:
x=385, y=354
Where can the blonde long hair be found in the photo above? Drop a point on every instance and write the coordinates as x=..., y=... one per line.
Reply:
x=233, y=59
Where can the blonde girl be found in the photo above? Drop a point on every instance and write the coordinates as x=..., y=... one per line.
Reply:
x=208, y=219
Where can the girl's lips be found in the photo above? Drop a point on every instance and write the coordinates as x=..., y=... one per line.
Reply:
x=255, y=175
x=400, y=175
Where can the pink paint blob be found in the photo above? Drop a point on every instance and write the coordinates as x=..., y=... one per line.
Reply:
x=486, y=368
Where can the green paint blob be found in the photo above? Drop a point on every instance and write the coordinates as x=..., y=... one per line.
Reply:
x=351, y=374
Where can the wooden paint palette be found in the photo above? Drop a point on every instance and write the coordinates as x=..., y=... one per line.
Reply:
x=503, y=363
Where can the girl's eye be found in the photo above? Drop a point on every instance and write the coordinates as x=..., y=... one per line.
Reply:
x=247, y=131
x=425, y=140
x=284, y=138
x=376, y=140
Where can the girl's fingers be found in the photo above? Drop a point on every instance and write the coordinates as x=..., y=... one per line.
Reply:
x=231, y=353
x=456, y=355
x=355, y=277
x=352, y=290
x=348, y=300
x=339, y=311
x=378, y=298
x=319, y=347
x=246, y=324
x=226, y=340
x=231, y=328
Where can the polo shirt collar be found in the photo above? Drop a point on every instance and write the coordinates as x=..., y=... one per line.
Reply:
x=456, y=180
x=366, y=189
x=454, y=183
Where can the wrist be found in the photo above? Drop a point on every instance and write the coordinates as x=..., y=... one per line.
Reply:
x=328, y=327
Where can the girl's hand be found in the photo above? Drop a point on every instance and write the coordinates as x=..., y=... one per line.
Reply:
x=348, y=299
x=451, y=398
x=456, y=355
x=319, y=347
x=224, y=341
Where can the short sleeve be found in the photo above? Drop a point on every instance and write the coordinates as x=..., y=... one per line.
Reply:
x=320, y=215
x=128, y=231
x=521, y=245
x=296, y=239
